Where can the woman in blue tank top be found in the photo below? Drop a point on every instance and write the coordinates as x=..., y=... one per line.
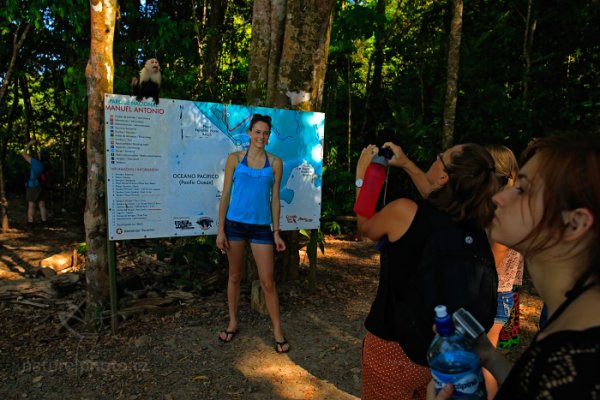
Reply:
x=249, y=213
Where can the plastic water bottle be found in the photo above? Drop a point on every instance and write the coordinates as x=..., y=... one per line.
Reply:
x=452, y=359
x=372, y=184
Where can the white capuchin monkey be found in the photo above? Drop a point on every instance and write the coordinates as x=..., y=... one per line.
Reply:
x=148, y=84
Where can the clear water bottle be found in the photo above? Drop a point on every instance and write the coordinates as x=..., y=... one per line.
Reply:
x=452, y=359
x=372, y=184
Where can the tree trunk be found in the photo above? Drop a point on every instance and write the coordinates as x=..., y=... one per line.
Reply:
x=375, y=103
x=77, y=151
x=288, y=60
x=214, y=40
x=349, y=129
x=3, y=202
x=265, y=50
x=17, y=44
x=530, y=25
x=99, y=75
x=452, y=83
x=28, y=110
x=9, y=133
x=199, y=23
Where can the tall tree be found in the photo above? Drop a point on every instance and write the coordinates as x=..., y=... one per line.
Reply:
x=288, y=60
x=528, y=34
x=375, y=103
x=214, y=36
x=3, y=146
x=18, y=39
x=99, y=74
x=452, y=82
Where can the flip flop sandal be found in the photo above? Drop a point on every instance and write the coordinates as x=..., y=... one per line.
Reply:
x=279, y=346
x=229, y=335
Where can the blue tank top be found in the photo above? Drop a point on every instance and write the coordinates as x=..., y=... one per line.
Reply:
x=251, y=194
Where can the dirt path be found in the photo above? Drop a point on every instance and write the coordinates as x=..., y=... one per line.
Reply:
x=175, y=354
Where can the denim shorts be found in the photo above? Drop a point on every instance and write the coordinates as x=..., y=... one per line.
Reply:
x=505, y=305
x=259, y=234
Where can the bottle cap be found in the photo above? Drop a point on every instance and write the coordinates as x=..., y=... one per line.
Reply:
x=440, y=311
x=443, y=322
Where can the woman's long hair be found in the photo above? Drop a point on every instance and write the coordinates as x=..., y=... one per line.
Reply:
x=467, y=196
x=569, y=167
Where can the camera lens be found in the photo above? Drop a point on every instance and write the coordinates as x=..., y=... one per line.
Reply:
x=386, y=153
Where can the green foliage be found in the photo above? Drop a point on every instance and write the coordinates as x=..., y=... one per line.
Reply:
x=493, y=105
x=318, y=241
x=98, y=318
x=333, y=227
x=82, y=248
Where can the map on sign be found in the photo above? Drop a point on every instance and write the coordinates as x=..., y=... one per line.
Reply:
x=165, y=164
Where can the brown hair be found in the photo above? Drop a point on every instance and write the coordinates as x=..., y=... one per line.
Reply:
x=260, y=118
x=505, y=163
x=467, y=195
x=569, y=166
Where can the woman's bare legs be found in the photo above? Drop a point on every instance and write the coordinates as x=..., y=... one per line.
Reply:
x=494, y=333
x=30, y=211
x=265, y=263
x=235, y=258
x=43, y=211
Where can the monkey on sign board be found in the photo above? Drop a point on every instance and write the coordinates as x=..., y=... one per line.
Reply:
x=148, y=84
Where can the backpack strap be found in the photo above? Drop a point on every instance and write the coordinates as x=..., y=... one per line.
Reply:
x=458, y=268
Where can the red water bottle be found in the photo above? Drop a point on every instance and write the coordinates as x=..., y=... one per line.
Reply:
x=371, y=187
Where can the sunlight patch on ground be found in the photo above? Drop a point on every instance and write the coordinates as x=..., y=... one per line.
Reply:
x=288, y=379
x=530, y=306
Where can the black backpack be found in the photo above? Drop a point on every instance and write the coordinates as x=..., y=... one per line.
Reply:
x=457, y=270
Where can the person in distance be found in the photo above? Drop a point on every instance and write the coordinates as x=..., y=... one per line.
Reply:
x=509, y=263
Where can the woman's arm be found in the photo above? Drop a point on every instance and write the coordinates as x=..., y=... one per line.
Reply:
x=25, y=151
x=492, y=359
x=222, y=242
x=277, y=166
x=392, y=220
x=417, y=175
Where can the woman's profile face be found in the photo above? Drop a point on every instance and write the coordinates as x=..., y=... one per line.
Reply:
x=519, y=208
x=259, y=134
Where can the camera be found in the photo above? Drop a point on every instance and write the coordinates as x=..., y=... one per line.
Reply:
x=385, y=152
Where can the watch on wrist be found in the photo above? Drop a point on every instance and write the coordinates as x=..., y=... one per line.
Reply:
x=358, y=183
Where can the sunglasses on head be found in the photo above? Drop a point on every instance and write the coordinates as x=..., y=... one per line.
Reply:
x=260, y=117
x=440, y=157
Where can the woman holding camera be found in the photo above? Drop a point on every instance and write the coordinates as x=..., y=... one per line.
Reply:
x=459, y=186
x=249, y=207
